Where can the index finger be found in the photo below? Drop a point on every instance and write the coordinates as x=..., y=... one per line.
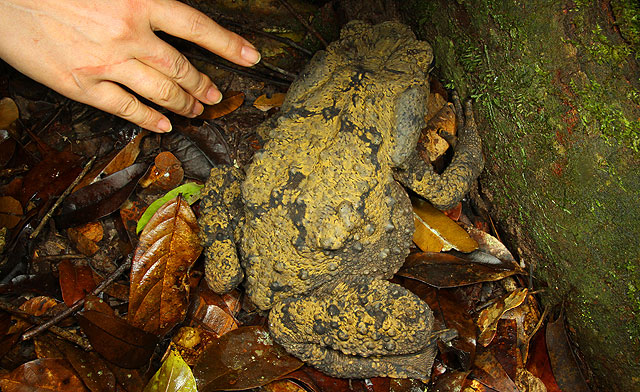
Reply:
x=182, y=21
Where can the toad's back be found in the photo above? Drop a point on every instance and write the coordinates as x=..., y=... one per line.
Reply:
x=321, y=204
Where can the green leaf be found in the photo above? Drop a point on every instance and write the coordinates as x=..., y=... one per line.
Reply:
x=190, y=193
x=173, y=376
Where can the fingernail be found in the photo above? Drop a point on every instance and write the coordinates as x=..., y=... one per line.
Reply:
x=250, y=54
x=164, y=125
x=213, y=95
x=197, y=109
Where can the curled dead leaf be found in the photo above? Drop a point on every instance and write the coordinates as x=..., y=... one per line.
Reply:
x=266, y=102
x=231, y=101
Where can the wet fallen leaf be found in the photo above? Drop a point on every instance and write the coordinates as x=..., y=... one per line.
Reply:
x=489, y=317
x=50, y=177
x=85, y=238
x=7, y=148
x=97, y=304
x=231, y=101
x=100, y=198
x=91, y=369
x=166, y=172
x=267, y=102
x=8, y=112
x=241, y=359
x=283, y=386
x=168, y=247
x=190, y=193
x=215, y=312
x=173, y=376
x=449, y=314
x=115, y=162
x=435, y=232
x=42, y=375
x=36, y=306
x=527, y=382
x=451, y=381
x=504, y=347
x=443, y=270
x=563, y=361
x=526, y=317
x=490, y=373
x=317, y=381
x=539, y=363
x=491, y=245
x=209, y=140
x=10, y=212
x=130, y=213
x=117, y=341
x=76, y=281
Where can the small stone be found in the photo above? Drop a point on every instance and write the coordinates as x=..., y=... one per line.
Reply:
x=384, y=253
x=389, y=227
x=369, y=229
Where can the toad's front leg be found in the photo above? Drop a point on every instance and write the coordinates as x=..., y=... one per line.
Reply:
x=446, y=189
x=368, y=328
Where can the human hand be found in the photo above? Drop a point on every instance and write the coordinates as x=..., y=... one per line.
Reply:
x=88, y=49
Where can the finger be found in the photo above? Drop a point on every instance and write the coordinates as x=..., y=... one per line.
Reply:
x=173, y=64
x=113, y=99
x=156, y=87
x=182, y=21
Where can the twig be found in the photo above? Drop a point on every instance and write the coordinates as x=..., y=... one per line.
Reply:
x=60, y=257
x=31, y=319
x=289, y=75
x=275, y=37
x=62, y=197
x=303, y=22
x=11, y=172
x=60, y=316
x=244, y=72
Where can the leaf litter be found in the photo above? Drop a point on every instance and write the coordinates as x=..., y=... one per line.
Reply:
x=467, y=276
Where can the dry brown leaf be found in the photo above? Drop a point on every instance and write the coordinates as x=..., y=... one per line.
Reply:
x=266, y=102
x=435, y=102
x=85, y=238
x=191, y=343
x=436, y=232
x=10, y=212
x=444, y=121
x=8, y=112
x=231, y=101
x=168, y=247
x=489, y=317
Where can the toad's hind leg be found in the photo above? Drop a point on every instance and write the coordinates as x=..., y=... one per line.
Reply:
x=369, y=328
x=220, y=221
x=446, y=189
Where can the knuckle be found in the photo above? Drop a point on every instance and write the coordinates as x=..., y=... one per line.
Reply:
x=127, y=106
x=166, y=92
x=198, y=24
x=180, y=68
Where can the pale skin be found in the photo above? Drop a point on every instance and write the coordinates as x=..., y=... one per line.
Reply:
x=88, y=49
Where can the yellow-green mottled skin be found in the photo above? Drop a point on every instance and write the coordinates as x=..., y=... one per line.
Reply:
x=325, y=220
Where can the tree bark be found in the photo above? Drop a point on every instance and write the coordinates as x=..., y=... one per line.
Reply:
x=557, y=88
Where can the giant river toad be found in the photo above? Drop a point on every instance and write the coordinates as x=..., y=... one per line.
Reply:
x=321, y=220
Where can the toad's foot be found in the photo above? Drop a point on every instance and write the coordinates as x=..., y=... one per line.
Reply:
x=220, y=218
x=446, y=189
x=371, y=328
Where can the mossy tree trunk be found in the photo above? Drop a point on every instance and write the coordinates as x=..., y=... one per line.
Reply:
x=557, y=88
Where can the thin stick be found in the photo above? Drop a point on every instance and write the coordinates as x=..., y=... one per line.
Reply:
x=313, y=31
x=60, y=316
x=35, y=320
x=62, y=197
x=284, y=40
x=287, y=74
